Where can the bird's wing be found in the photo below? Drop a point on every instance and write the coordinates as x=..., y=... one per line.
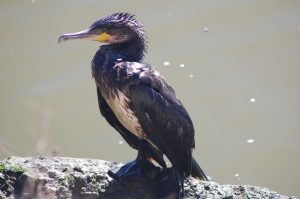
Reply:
x=163, y=118
x=110, y=117
x=129, y=137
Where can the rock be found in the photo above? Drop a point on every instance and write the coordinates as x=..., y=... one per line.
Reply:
x=57, y=177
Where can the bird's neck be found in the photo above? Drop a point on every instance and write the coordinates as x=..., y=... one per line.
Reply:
x=108, y=55
x=132, y=50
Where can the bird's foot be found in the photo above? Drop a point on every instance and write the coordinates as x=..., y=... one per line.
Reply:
x=164, y=181
x=135, y=168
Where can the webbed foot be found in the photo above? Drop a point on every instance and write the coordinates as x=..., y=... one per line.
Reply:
x=163, y=181
x=135, y=168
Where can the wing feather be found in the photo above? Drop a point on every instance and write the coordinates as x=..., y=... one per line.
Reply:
x=166, y=124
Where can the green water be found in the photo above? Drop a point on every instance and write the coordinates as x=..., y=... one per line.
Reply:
x=234, y=64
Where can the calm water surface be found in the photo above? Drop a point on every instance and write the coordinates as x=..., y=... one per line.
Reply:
x=234, y=64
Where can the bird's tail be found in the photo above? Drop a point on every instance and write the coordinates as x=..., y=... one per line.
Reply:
x=197, y=172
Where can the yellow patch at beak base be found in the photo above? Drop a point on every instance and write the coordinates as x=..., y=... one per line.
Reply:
x=103, y=37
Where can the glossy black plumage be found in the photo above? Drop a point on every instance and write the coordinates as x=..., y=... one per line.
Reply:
x=136, y=100
x=164, y=121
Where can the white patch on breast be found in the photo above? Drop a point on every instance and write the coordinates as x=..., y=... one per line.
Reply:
x=156, y=73
x=135, y=67
x=120, y=107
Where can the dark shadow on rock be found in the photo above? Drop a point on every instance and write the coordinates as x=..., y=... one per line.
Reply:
x=154, y=182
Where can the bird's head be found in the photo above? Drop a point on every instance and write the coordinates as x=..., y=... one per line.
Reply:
x=113, y=29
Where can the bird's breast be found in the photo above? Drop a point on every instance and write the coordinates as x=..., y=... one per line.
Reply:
x=119, y=103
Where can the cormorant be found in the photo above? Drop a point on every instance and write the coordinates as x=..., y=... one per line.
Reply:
x=136, y=100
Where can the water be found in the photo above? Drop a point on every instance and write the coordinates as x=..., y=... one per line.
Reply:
x=234, y=64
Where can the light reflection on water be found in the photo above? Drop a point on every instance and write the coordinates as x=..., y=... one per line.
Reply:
x=235, y=66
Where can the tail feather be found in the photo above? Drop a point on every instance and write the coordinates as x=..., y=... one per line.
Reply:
x=197, y=172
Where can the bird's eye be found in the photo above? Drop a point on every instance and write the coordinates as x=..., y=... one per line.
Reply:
x=98, y=30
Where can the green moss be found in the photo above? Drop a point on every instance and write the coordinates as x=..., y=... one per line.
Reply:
x=70, y=179
x=2, y=167
x=17, y=169
x=94, y=179
x=11, y=167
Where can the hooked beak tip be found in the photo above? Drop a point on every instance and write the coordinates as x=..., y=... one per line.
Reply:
x=85, y=34
x=62, y=38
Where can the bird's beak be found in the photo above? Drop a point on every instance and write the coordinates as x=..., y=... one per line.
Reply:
x=87, y=34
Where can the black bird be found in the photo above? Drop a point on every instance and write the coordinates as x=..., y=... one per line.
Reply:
x=136, y=100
